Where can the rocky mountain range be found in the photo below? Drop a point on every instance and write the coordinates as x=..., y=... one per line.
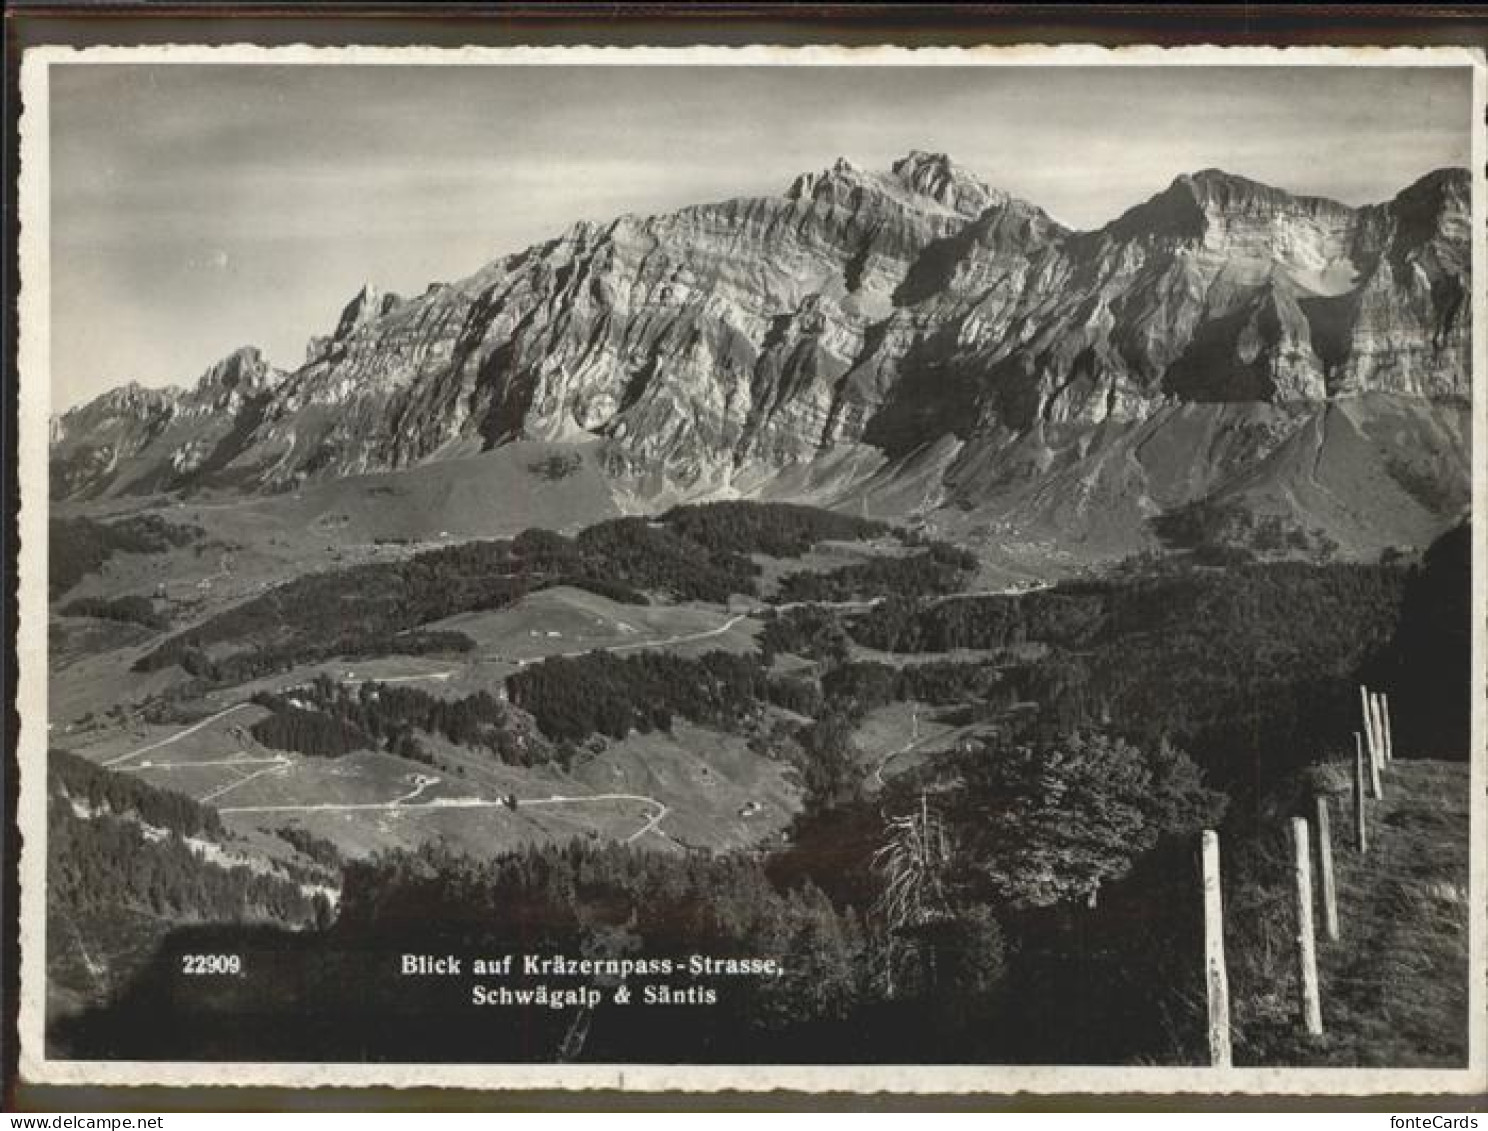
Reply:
x=866, y=326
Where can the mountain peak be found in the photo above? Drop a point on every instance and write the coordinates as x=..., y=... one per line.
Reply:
x=810, y=186
x=1218, y=185
x=1217, y=189
x=368, y=305
x=915, y=178
x=241, y=373
x=935, y=175
x=1192, y=201
x=1449, y=183
x=1215, y=175
x=919, y=160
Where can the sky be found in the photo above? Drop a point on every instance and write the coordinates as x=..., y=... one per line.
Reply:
x=199, y=208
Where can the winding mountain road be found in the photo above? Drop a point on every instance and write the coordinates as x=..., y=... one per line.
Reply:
x=180, y=734
x=862, y=604
x=883, y=763
x=634, y=646
x=406, y=804
x=280, y=769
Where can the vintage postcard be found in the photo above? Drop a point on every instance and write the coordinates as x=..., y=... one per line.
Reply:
x=942, y=570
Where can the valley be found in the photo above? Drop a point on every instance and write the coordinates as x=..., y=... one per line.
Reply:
x=366, y=801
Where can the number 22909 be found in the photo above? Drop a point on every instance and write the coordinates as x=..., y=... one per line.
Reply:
x=211, y=964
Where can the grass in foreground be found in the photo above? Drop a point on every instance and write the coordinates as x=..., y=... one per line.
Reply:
x=1394, y=987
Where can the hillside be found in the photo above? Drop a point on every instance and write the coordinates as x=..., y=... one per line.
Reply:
x=644, y=704
x=1391, y=987
x=127, y=862
x=1404, y=910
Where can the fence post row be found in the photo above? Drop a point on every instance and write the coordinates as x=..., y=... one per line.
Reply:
x=1325, y=871
x=1379, y=729
x=1215, y=975
x=1376, y=786
x=1376, y=734
x=1307, y=976
x=1369, y=739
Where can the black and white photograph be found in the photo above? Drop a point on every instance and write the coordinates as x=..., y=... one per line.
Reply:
x=936, y=570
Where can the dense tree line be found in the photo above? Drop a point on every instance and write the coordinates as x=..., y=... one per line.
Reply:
x=388, y=717
x=307, y=731
x=573, y=697
x=353, y=641
x=1251, y=668
x=652, y=557
x=945, y=684
x=133, y=608
x=1326, y=610
x=1229, y=533
x=1427, y=666
x=77, y=547
x=780, y=530
x=941, y=569
x=317, y=848
x=97, y=788
x=98, y=864
x=1068, y=616
x=814, y=632
x=866, y=684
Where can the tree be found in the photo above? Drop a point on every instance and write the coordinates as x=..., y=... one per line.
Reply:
x=1051, y=821
x=914, y=862
x=1427, y=667
x=820, y=955
x=941, y=943
x=829, y=768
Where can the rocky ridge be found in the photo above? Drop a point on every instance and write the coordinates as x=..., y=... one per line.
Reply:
x=875, y=312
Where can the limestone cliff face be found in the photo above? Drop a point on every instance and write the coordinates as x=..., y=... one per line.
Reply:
x=158, y=439
x=892, y=308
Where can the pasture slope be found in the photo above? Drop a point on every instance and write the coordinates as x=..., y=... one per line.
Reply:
x=1395, y=983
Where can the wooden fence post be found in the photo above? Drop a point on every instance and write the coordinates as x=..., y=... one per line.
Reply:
x=1361, y=824
x=1376, y=787
x=1215, y=974
x=1325, y=871
x=1369, y=739
x=1389, y=727
x=1379, y=728
x=1307, y=977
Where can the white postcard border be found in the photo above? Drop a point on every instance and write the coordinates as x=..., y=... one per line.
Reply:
x=33, y=431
